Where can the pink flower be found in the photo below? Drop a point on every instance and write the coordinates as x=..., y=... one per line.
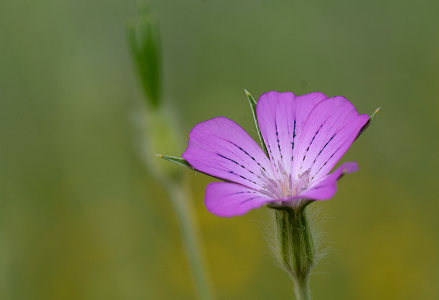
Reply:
x=305, y=136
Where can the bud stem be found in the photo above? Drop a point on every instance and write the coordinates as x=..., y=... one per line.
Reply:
x=296, y=247
x=191, y=239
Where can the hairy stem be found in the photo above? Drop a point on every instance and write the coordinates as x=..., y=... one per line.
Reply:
x=296, y=247
x=301, y=290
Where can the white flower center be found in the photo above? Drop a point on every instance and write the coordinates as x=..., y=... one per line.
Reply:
x=285, y=186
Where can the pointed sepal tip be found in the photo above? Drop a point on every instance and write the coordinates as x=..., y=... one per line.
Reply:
x=176, y=160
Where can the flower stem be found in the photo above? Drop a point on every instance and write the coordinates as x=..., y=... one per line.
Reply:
x=191, y=240
x=296, y=247
x=301, y=290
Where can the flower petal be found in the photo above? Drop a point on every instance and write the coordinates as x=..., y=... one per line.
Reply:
x=221, y=148
x=281, y=117
x=328, y=132
x=326, y=187
x=304, y=106
x=226, y=199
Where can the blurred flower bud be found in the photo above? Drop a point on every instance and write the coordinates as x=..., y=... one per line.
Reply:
x=144, y=43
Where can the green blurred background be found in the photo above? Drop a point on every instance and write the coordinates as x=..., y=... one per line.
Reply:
x=81, y=218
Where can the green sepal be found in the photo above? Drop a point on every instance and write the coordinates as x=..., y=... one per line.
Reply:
x=371, y=117
x=296, y=247
x=300, y=206
x=176, y=160
x=253, y=103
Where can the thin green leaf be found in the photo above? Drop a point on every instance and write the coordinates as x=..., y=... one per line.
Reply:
x=176, y=160
x=371, y=117
x=252, y=103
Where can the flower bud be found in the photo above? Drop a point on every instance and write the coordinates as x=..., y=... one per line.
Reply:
x=144, y=43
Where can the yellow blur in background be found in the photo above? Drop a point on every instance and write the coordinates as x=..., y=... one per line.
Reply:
x=81, y=217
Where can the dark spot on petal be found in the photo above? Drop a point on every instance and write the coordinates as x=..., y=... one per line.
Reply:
x=249, y=199
x=294, y=129
x=277, y=138
x=246, y=153
x=234, y=161
x=328, y=160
